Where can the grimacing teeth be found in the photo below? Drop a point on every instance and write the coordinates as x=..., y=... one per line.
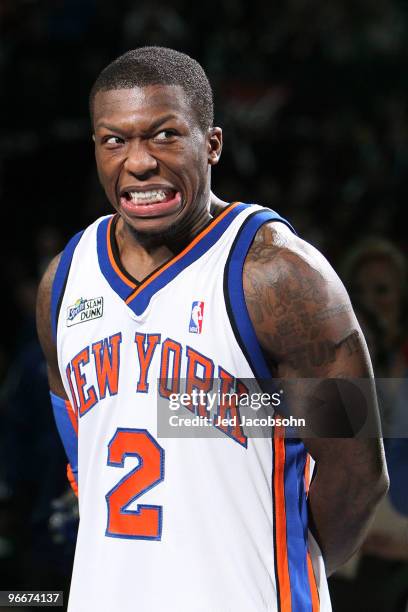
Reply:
x=148, y=196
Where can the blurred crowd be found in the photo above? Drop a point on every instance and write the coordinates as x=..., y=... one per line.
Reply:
x=312, y=98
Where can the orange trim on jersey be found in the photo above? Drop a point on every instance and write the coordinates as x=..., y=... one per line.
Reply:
x=314, y=592
x=282, y=569
x=72, y=415
x=71, y=479
x=313, y=586
x=307, y=474
x=112, y=259
x=188, y=248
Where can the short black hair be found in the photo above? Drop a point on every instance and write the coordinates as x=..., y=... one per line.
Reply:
x=159, y=66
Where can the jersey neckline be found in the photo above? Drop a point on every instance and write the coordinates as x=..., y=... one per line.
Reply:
x=137, y=295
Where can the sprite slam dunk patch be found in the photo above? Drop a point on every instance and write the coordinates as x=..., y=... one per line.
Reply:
x=84, y=310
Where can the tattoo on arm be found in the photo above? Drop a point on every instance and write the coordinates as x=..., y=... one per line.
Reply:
x=289, y=303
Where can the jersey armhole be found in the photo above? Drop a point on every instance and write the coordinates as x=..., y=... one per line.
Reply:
x=60, y=281
x=234, y=290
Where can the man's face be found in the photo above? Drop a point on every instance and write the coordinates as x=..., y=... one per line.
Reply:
x=152, y=156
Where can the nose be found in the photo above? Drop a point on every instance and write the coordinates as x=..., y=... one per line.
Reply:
x=139, y=161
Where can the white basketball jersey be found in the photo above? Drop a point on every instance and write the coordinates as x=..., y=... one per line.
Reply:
x=175, y=523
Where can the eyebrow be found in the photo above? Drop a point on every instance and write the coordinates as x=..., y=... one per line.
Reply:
x=154, y=125
x=160, y=121
x=112, y=128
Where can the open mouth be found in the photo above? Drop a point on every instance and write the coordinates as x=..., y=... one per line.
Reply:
x=153, y=196
x=150, y=203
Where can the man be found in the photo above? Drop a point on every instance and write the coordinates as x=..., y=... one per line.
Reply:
x=193, y=524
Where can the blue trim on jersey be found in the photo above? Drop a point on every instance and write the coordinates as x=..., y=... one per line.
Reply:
x=242, y=323
x=66, y=432
x=117, y=284
x=60, y=278
x=296, y=521
x=295, y=453
x=149, y=287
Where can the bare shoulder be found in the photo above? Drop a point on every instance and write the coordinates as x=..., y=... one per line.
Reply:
x=44, y=328
x=295, y=299
x=277, y=251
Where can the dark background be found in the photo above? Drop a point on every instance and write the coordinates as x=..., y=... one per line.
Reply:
x=312, y=97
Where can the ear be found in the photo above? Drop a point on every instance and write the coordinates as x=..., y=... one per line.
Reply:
x=93, y=137
x=214, y=137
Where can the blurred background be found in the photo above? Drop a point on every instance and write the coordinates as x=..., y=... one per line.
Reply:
x=312, y=97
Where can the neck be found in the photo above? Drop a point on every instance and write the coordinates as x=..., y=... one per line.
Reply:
x=142, y=253
x=173, y=239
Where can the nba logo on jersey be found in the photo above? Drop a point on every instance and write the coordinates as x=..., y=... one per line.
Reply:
x=196, y=319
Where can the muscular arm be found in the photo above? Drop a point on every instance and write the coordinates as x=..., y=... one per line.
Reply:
x=305, y=324
x=44, y=328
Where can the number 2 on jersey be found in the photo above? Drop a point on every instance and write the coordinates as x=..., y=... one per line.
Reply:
x=146, y=522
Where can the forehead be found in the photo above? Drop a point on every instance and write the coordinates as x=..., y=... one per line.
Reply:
x=141, y=104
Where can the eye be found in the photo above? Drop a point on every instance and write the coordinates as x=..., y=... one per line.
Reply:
x=112, y=140
x=165, y=135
